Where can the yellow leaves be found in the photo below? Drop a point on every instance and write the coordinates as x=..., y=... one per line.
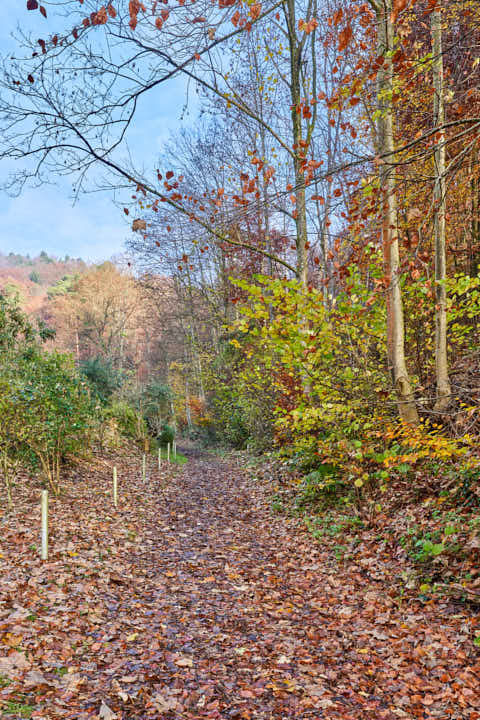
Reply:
x=132, y=637
x=12, y=640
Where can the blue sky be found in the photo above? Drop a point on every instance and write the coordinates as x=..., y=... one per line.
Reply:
x=45, y=218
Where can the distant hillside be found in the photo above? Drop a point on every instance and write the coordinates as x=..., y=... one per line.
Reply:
x=32, y=278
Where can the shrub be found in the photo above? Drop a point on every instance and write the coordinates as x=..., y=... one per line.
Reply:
x=166, y=435
x=129, y=421
x=49, y=410
x=103, y=378
x=156, y=402
x=44, y=405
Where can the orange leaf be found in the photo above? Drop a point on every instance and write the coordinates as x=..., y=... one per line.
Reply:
x=344, y=38
x=255, y=11
x=398, y=6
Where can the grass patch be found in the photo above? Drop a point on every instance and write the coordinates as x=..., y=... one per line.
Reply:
x=18, y=709
x=179, y=459
x=332, y=525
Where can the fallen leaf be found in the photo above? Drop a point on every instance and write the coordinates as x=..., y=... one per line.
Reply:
x=105, y=713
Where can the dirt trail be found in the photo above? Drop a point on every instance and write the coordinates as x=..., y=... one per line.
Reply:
x=213, y=607
x=274, y=628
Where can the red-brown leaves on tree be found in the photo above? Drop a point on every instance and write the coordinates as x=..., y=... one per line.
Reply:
x=256, y=11
x=101, y=17
x=338, y=16
x=309, y=26
x=32, y=5
x=398, y=7
x=139, y=225
x=344, y=37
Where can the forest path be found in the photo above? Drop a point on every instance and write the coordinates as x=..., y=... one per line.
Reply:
x=193, y=600
x=259, y=621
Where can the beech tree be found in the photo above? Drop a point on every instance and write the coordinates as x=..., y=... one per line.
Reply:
x=390, y=244
x=441, y=362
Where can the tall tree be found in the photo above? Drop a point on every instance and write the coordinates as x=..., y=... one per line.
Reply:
x=386, y=150
x=441, y=361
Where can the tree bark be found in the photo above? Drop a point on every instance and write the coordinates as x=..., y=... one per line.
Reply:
x=441, y=361
x=299, y=177
x=386, y=149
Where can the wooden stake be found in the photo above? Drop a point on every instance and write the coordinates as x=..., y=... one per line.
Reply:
x=168, y=452
x=115, y=487
x=44, y=524
x=144, y=467
x=159, y=457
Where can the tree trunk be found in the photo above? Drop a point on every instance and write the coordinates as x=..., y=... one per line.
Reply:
x=386, y=150
x=475, y=226
x=188, y=411
x=295, y=93
x=441, y=363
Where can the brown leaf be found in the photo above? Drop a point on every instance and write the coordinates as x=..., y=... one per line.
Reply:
x=34, y=679
x=139, y=224
x=105, y=713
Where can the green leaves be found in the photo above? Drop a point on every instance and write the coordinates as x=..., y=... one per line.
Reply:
x=46, y=410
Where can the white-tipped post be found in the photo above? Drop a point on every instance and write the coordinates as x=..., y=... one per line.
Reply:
x=144, y=467
x=115, y=487
x=168, y=452
x=159, y=457
x=44, y=524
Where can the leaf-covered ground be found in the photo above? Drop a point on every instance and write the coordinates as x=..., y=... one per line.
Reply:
x=193, y=600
